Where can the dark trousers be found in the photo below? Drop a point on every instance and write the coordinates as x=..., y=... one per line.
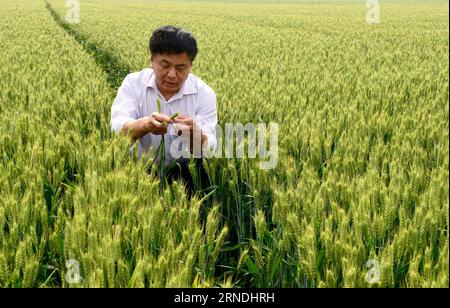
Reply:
x=181, y=172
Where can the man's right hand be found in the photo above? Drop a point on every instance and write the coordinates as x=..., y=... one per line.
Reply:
x=155, y=124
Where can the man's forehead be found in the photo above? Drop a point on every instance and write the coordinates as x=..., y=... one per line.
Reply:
x=175, y=59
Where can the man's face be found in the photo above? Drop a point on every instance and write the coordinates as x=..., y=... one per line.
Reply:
x=171, y=70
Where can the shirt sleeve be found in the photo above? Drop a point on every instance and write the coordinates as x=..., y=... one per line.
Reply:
x=207, y=116
x=125, y=107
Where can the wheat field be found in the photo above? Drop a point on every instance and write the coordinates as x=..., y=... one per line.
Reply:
x=362, y=176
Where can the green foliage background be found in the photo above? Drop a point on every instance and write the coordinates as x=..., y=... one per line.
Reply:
x=363, y=164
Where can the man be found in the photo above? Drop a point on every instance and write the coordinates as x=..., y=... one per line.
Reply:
x=135, y=109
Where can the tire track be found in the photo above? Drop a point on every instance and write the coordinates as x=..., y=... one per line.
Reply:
x=109, y=63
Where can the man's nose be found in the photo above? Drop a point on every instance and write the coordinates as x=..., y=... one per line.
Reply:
x=172, y=73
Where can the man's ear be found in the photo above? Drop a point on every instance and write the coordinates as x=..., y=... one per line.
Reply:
x=150, y=60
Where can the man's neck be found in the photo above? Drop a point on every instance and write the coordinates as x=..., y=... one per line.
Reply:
x=167, y=96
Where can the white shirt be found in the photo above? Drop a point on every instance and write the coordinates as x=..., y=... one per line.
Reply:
x=136, y=98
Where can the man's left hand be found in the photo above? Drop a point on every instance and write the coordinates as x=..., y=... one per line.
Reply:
x=185, y=125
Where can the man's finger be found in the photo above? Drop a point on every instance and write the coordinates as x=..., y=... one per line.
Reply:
x=185, y=120
x=161, y=117
x=158, y=127
x=180, y=128
x=156, y=123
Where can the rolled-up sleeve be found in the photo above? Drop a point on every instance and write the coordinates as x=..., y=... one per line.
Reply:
x=125, y=107
x=207, y=115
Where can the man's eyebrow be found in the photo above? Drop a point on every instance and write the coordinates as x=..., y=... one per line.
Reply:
x=164, y=61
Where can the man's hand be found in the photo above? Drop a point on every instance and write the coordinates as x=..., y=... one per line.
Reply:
x=155, y=124
x=186, y=126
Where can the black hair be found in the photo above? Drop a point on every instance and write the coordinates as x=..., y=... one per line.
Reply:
x=173, y=40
